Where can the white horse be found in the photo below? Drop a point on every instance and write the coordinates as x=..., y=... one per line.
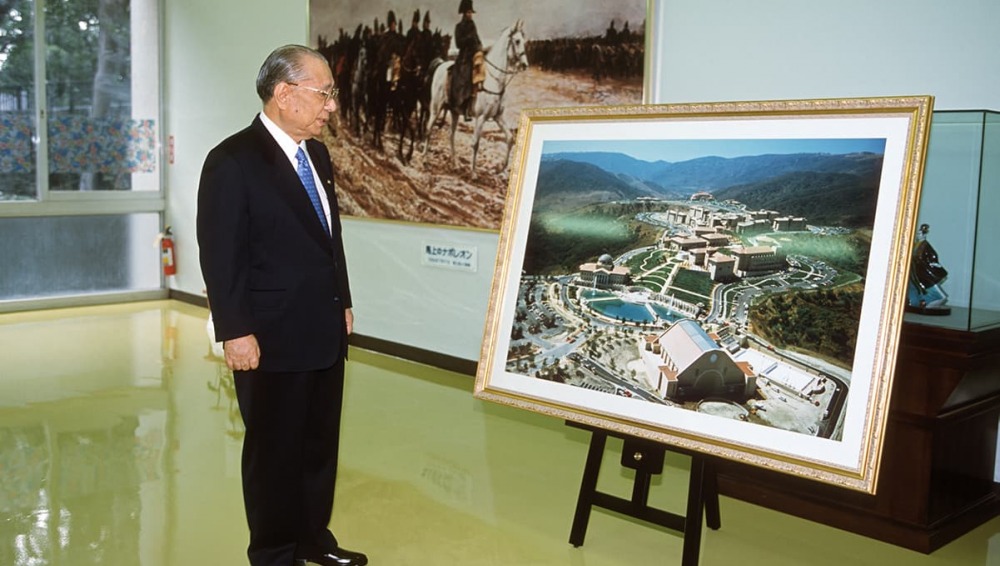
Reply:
x=504, y=59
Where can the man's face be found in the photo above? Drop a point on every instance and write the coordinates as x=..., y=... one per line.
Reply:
x=309, y=107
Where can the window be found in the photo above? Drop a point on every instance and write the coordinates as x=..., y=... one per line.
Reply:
x=79, y=137
x=59, y=256
x=97, y=138
x=100, y=95
x=17, y=102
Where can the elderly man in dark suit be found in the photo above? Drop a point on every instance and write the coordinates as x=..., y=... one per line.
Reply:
x=273, y=261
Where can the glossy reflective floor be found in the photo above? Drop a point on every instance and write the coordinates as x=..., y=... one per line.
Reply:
x=120, y=443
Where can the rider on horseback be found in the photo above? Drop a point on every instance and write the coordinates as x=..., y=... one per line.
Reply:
x=391, y=45
x=464, y=86
x=414, y=31
x=426, y=42
x=412, y=60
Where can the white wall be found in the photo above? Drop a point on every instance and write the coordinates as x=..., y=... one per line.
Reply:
x=713, y=50
x=212, y=51
x=708, y=50
x=399, y=299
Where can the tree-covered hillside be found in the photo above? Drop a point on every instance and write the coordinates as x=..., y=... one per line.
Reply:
x=824, y=322
x=833, y=199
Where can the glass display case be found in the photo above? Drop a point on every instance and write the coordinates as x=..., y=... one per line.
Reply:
x=958, y=225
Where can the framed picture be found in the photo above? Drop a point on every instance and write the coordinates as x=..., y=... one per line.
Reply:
x=405, y=148
x=726, y=278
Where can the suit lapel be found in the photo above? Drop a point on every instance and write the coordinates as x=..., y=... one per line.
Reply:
x=287, y=183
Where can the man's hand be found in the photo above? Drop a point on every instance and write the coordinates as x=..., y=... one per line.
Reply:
x=349, y=319
x=242, y=353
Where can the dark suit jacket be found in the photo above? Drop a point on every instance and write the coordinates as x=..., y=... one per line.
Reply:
x=269, y=268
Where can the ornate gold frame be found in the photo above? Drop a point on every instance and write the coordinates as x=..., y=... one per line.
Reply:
x=852, y=461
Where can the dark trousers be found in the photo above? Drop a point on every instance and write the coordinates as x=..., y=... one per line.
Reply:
x=292, y=425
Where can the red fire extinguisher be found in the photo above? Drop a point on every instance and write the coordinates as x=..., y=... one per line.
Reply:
x=167, y=253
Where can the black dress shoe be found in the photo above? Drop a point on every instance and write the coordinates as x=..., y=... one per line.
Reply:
x=336, y=557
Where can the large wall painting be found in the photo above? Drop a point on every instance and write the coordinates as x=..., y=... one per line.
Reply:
x=393, y=156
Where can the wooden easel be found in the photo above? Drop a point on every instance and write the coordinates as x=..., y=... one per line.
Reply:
x=646, y=458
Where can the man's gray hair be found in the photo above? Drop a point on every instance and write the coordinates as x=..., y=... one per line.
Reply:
x=283, y=65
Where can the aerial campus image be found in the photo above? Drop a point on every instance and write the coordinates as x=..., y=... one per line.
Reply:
x=719, y=276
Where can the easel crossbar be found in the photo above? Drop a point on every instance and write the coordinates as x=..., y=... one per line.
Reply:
x=703, y=492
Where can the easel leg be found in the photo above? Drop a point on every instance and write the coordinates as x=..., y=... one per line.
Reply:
x=693, y=517
x=587, y=488
x=713, y=519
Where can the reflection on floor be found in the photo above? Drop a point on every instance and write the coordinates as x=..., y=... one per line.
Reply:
x=120, y=442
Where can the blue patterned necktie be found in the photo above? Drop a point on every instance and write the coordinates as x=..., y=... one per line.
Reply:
x=306, y=175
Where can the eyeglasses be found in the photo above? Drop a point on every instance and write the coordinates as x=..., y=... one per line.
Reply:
x=327, y=95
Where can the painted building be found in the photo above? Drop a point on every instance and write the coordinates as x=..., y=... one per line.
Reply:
x=604, y=273
x=757, y=260
x=715, y=239
x=686, y=364
x=721, y=267
x=679, y=243
x=789, y=224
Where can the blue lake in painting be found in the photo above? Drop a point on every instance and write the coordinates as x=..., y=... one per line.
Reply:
x=612, y=306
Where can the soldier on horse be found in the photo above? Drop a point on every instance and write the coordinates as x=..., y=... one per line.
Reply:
x=464, y=83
